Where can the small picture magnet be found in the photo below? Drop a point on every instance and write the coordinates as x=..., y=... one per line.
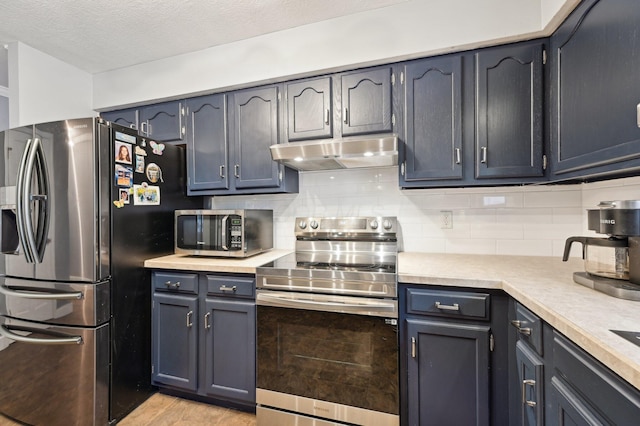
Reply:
x=123, y=152
x=124, y=195
x=154, y=173
x=125, y=137
x=146, y=195
x=139, y=164
x=123, y=176
x=157, y=147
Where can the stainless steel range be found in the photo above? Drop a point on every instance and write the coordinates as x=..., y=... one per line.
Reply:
x=327, y=326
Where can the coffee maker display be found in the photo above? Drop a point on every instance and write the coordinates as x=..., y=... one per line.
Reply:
x=612, y=264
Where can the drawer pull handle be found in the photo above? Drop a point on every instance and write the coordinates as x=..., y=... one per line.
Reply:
x=522, y=330
x=229, y=289
x=189, y=319
x=413, y=347
x=454, y=307
x=175, y=285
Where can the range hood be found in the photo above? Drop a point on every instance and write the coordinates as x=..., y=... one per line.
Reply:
x=346, y=153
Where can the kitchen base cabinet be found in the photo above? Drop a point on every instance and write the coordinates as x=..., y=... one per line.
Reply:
x=453, y=356
x=562, y=384
x=448, y=373
x=203, y=343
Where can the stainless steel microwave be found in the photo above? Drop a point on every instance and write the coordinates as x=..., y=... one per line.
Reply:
x=228, y=233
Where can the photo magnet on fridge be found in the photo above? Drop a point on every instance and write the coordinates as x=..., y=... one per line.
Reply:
x=123, y=152
x=123, y=176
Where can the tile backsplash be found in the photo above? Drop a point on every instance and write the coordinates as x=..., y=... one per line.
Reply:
x=532, y=220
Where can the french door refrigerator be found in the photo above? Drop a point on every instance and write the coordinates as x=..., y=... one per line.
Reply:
x=82, y=204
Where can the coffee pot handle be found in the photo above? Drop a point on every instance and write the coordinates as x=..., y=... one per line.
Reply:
x=567, y=246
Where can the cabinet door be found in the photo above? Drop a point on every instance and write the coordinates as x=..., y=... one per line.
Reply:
x=531, y=384
x=367, y=102
x=595, y=88
x=433, y=96
x=570, y=409
x=255, y=129
x=163, y=122
x=448, y=373
x=174, y=341
x=230, y=347
x=207, y=142
x=309, y=109
x=509, y=111
x=123, y=117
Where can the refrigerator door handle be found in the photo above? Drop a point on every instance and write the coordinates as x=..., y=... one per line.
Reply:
x=74, y=340
x=40, y=294
x=21, y=210
x=36, y=240
x=43, y=198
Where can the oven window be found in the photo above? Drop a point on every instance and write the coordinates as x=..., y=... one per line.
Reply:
x=341, y=358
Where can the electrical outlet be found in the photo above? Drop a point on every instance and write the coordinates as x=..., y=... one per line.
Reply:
x=446, y=219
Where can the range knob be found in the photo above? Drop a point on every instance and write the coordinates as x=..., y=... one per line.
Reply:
x=373, y=224
x=314, y=224
x=302, y=224
x=386, y=224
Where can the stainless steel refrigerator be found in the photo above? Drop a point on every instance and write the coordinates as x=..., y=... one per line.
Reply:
x=82, y=204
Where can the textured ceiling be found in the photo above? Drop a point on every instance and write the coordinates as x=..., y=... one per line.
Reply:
x=100, y=36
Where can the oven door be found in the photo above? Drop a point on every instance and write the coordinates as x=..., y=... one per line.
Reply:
x=329, y=357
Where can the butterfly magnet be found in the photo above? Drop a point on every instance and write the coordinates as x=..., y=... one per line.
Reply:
x=157, y=147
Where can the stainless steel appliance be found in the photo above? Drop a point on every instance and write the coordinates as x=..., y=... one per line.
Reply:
x=232, y=233
x=612, y=265
x=83, y=204
x=327, y=326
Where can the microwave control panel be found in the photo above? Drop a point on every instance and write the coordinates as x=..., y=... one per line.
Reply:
x=236, y=233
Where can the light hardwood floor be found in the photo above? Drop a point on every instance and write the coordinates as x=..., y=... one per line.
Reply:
x=165, y=410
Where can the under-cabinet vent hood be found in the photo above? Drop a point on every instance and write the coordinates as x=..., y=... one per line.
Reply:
x=347, y=153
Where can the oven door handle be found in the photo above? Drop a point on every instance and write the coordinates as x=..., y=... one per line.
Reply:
x=74, y=340
x=329, y=304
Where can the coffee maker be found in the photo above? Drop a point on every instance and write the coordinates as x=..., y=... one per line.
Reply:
x=612, y=264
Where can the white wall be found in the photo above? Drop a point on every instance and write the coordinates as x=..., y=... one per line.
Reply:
x=412, y=29
x=43, y=88
x=521, y=220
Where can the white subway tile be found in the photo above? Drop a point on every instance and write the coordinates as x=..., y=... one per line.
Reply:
x=470, y=246
x=525, y=248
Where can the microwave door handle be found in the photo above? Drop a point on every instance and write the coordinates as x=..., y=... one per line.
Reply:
x=22, y=210
x=42, y=229
x=225, y=219
x=74, y=340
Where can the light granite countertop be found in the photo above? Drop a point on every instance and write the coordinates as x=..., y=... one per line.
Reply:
x=545, y=286
x=243, y=265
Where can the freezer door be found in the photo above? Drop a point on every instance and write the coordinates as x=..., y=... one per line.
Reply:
x=80, y=304
x=54, y=375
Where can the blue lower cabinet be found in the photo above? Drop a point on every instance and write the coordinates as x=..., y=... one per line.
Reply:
x=175, y=341
x=230, y=349
x=204, y=343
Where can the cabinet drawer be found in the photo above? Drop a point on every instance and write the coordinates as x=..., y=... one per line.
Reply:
x=529, y=328
x=231, y=286
x=448, y=303
x=175, y=282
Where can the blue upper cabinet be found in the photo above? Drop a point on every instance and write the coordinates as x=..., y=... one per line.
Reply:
x=595, y=90
x=255, y=128
x=474, y=118
x=509, y=111
x=366, y=98
x=433, y=146
x=124, y=117
x=163, y=122
x=207, y=142
x=309, y=109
